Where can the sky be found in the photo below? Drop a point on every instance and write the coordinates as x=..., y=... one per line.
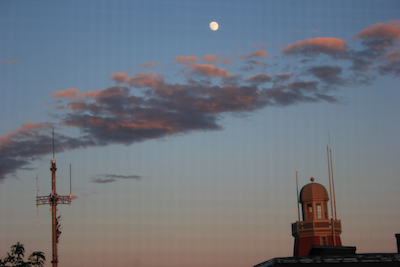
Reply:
x=184, y=142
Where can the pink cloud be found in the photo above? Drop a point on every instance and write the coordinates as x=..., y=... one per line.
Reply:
x=381, y=30
x=215, y=58
x=147, y=79
x=259, y=78
x=24, y=130
x=147, y=64
x=186, y=60
x=313, y=46
x=392, y=56
x=258, y=54
x=210, y=70
x=8, y=61
x=68, y=93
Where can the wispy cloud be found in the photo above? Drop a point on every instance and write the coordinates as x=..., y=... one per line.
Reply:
x=119, y=176
x=30, y=142
x=102, y=180
x=110, y=178
x=146, y=105
x=331, y=46
x=215, y=58
x=328, y=74
x=150, y=64
x=378, y=40
x=4, y=61
x=256, y=54
x=259, y=78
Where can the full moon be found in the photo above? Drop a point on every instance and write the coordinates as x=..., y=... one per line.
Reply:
x=214, y=26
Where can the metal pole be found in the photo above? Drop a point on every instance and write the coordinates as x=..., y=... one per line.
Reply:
x=330, y=193
x=298, y=200
x=54, y=199
x=333, y=187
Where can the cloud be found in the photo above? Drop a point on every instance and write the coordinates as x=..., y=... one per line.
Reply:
x=381, y=31
x=205, y=70
x=331, y=46
x=256, y=54
x=278, y=78
x=110, y=178
x=30, y=142
x=116, y=115
x=259, y=78
x=252, y=65
x=102, y=181
x=328, y=74
x=379, y=36
x=149, y=64
x=186, y=60
x=215, y=58
x=137, y=177
x=148, y=79
x=378, y=39
x=210, y=71
x=147, y=105
x=295, y=93
x=3, y=61
x=67, y=93
x=392, y=65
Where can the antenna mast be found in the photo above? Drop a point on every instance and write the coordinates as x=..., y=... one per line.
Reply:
x=298, y=199
x=54, y=199
x=330, y=193
x=333, y=186
x=37, y=195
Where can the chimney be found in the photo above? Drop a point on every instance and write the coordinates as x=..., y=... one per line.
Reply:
x=398, y=242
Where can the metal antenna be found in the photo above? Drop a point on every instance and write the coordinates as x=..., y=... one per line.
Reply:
x=53, y=143
x=54, y=199
x=298, y=199
x=37, y=195
x=330, y=194
x=70, y=195
x=333, y=186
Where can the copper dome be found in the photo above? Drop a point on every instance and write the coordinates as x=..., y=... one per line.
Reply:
x=313, y=191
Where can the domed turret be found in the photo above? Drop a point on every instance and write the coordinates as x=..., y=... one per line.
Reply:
x=313, y=191
x=313, y=196
x=316, y=227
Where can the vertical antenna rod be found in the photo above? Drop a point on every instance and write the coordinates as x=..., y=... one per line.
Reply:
x=37, y=195
x=53, y=143
x=330, y=191
x=70, y=195
x=54, y=200
x=298, y=200
x=333, y=186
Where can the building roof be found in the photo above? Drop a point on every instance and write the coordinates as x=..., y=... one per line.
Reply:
x=370, y=260
x=314, y=191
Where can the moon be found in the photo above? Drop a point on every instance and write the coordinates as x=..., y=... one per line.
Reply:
x=214, y=26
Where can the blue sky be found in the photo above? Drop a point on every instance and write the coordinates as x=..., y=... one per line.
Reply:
x=184, y=142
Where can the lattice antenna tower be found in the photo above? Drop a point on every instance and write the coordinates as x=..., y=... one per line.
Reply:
x=53, y=200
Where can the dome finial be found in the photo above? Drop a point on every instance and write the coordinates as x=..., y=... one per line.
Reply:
x=312, y=179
